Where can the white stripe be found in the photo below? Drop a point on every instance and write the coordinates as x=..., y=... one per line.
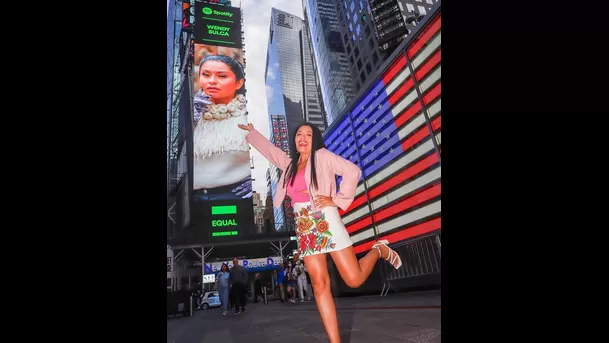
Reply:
x=439, y=138
x=413, y=125
x=397, y=80
x=355, y=214
x=430, y=79
x=364, y=234
x=394, y=194
x=409, y=187
x=435, y=108
x=429, y=49
x=410, y=217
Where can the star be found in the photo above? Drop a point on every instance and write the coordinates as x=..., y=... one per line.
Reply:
x=391, y=150
x=375, y=161
x=384, y=121
x=364, y=146
x=380, y=106
x=377, y=134
x=374, y=121
x=348, y=145
x=368, y=134
x=351, y=157
x=387, y=137
x=360, y=134
x=366, y=120
x=372, y=149
x=340, y=133
x=363, y=108
x=376, y=94
x=366, y=160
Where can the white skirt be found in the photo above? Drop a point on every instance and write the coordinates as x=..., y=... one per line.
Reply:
x=320, y=232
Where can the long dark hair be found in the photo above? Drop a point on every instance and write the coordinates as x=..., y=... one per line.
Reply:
x=224, y=265
x=233, y=64
x=317, y=142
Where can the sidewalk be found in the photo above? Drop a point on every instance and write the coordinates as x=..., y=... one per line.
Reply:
x=410, y=317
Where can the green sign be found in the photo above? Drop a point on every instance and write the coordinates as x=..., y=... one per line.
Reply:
x=231, y=209
x=228, y=222
x=218, y=25
x=224, y=233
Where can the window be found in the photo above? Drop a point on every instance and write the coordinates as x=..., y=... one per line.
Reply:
x=410, y=8
x=350, y=27
x=352, y=5
x=401, y=6
x=422, y=10
x=371, y=43
x=357, y=30
x=364, y=16
x=361, y=4
x=355, y=17
x=348, y=16
x=367, y=29
x=429, y=2
x=359, y=64
x=356, y=52
x=375, y=58
x=362, y=77
x=368, y=68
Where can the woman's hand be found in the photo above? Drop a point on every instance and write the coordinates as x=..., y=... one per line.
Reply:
x=247, y=127
x=322, y=201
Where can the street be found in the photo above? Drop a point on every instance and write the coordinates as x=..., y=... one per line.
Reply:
x=411, y=317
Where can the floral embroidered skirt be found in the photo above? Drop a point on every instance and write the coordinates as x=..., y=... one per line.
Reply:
x=319, y=232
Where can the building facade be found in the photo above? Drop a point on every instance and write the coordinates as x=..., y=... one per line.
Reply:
x=328, y=49
x=292, y=94
x=371, y=30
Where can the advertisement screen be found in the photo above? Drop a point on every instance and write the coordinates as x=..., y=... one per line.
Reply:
x=221, y=159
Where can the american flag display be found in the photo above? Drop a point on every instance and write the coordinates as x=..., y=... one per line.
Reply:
x=387, y=134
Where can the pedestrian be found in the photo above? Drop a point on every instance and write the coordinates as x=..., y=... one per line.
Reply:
x=280, y=281
x=291, y=275
x=238, y=282
x=222, y=286
x=301, y=270
x=257, y=288
x=309, y=178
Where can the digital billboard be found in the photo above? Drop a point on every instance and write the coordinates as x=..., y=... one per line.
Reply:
x=222, y=184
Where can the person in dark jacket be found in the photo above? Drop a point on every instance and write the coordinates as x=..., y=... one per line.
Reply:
x=238, y=282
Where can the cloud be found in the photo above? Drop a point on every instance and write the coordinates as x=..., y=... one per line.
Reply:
x=256, y=24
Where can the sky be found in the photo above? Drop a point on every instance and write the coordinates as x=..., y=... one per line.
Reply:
x=256, y=21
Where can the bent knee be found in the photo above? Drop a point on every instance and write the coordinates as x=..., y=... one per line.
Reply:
x=352, y=281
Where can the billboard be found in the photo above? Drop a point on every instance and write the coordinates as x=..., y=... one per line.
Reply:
x=251, y=265
x=221, y=159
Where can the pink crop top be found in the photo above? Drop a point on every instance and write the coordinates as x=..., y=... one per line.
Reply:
x=295, y=191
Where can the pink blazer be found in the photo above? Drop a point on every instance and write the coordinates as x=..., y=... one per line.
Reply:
x=327, y=164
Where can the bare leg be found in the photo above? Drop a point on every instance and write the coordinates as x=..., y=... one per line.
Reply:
x=320, y=279
x=355, y=272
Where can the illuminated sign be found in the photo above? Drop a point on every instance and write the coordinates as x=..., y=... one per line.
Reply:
x=217, y=25
x=255, y=264
x=224, y=233
x=216, y=210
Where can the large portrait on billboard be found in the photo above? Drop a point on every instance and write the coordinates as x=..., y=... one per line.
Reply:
x=221, y=161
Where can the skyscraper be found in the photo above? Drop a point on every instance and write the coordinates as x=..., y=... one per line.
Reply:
x=293, y=92
x=372, y=29
x=328, y=48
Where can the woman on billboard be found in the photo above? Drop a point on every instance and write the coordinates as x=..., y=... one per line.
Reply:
x=221, y=161
x=309, y=179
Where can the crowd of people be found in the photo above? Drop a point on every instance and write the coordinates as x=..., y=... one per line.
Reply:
x=291, y=280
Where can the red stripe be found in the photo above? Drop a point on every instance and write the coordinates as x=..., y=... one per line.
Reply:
x=401, y=91
x=396, y=68
x=357, y=202
x=407, y=203
x=412, y=140
x=429, y=32
x=436, y=124
x=407, y=114
x=360, y=224
x=403, y=234
x=403, y=176
x=433, y=93
x=429, y=65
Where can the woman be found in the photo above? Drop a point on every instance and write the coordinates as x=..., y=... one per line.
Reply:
x=309, y=179
x=221, y=163
x=290, y=275
x=222, y=286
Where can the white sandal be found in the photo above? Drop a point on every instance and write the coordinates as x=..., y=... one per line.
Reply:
x=391, y=258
